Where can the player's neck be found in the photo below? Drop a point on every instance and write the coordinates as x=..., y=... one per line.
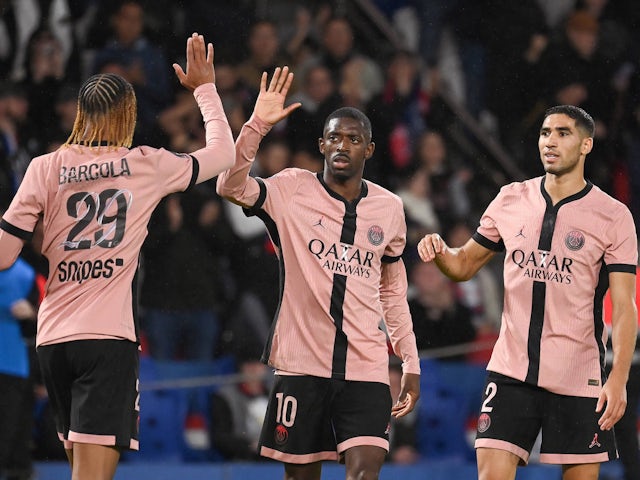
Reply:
x=348, y=189
x=560, y=187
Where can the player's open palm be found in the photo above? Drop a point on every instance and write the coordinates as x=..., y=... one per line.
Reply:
x=270, y=103
x=199, y=64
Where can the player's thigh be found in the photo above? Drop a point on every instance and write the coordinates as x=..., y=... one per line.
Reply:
x=510, y=416
x=297, y=426
x=581, y=472
x=360, y=412
x=93, y=388
x=571, y=434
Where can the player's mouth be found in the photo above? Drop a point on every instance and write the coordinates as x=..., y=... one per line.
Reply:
x=341, y=160
x=551, y=156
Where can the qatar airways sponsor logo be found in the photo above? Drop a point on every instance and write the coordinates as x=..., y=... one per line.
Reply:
x=94, y=171
x=79, y=272
x=544, y=266
x=342, y=258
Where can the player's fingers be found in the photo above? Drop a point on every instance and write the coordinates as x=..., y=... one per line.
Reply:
x=287, y=84
x=189, y=53
x=199, y=48
x=274, y=79
x=263, y=82
x=282, y=78
x=291, y=108
x=210, y=53
x=179, y=72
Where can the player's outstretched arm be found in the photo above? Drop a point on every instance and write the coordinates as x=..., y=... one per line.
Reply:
x=219, y=152
x=235, y=184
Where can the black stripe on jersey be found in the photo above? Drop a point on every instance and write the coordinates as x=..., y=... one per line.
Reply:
x=338, y=367
x=339, y=363
x=15, y=231
x=390, y=259
x=538, y=297
x=195, y=170
x=490, y=244
x=598, y=299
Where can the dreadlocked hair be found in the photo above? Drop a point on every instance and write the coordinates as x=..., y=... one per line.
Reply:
x=106, y=113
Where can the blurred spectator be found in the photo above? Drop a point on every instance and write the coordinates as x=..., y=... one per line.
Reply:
x=448, y=182
x=439, y=318
x=420, y=213
x=357, y=76
x=403, y=441
x=264, y=54
x=319, y=97
x=19, y=19
x=14, y=157
x=131, y=55
x=45, y=78
x=185, y=275
x=481, y=295
x=237, y=98
x=399, y=115
x=237, y=411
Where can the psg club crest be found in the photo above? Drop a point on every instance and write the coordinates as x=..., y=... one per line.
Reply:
x=574, y=240
x=281, y=435
x=484, y=422
x=375, y=235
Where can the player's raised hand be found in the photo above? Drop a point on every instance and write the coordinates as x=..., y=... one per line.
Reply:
x=199, y=64
x=270, y=103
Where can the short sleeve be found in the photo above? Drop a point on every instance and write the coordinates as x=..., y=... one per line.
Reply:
x=28, y=203
x=396, y=246
x=622, y=254
x=488, y=234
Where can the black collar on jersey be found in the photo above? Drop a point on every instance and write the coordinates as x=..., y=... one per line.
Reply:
x=570, y=198
x=364, y=190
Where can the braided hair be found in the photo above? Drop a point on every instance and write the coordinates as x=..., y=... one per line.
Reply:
x=106, y=112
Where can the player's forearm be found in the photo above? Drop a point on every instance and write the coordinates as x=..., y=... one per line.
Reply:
x=10, y=248
x=623, y=339
x=397, y=317
x=235, y=184
x=219, y=152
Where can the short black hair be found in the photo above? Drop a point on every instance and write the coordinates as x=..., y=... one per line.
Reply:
x=582, y=118
x=351, y=112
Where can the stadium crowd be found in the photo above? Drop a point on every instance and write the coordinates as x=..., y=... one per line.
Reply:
x=207, y=279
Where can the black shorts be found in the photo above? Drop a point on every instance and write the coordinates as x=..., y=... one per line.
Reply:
x=310, y=419
x=93, y=390
x=513, y=413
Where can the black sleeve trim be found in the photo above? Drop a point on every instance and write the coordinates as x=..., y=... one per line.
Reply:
x=15, y=231
x=486, y=243
x=390, y=259
x=253, y=210
x=195, y=170
x=621, y=267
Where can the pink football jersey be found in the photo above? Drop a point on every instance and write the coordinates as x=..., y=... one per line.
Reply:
x=557, y=258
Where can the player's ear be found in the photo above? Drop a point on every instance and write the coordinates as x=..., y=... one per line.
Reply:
x=321, y=145
x=369, y=151
x=587, y=145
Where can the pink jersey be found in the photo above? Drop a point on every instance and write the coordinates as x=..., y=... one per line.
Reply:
x=96, y=205
x=555, y=277
x=341, y=271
